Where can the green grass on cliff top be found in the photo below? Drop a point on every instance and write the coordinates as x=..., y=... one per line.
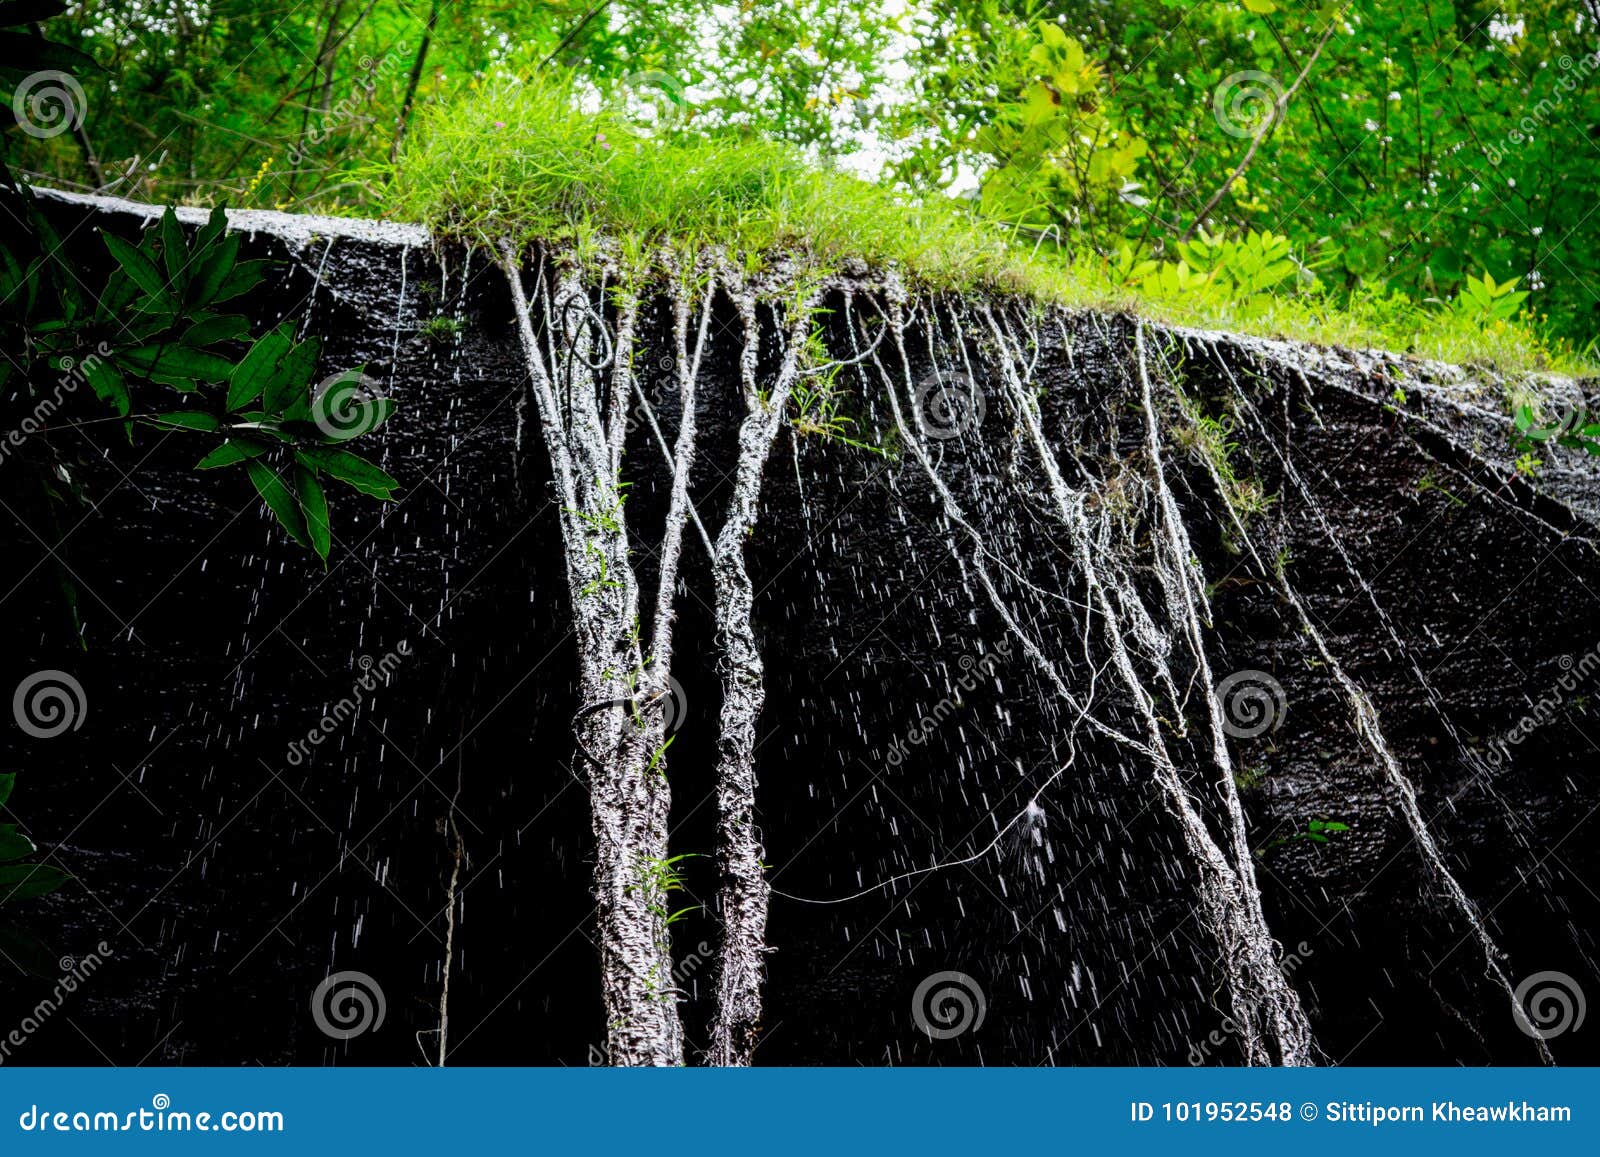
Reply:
x=525, y=163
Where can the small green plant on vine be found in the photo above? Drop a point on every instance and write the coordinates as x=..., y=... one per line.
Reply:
x=1315, y=832
x=441, y=330
x=1575, y=430
x=658, y=880
x=1210, y=439
x=817, y=414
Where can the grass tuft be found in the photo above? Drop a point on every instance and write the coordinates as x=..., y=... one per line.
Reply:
x=525, y=162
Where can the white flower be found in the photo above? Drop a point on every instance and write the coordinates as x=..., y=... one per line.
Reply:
x=1505, y=31
x=1394, y=96
x=1371, y=126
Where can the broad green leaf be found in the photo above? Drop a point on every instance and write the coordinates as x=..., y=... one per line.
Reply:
x=105, y=379
x=278, y=499
x=314, y=505
x=351, y=469
x=292, y=378
x=241, y=279
x=211, y=232
x=252, y=374
x=139, y=267
x=29, y=881
x=215, y=328
x=13, y=844
x=179, y=365
x=174, y=253
x=187, y=420
x=1261, y=7
x=232, y=451
x=212, y=269
x=8, y=781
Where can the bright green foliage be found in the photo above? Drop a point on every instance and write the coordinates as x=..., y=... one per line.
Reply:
x=1572, y=431
x=1424, y=145
x=1483, y=300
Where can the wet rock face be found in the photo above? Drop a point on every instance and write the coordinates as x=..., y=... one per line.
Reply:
x=231, y=864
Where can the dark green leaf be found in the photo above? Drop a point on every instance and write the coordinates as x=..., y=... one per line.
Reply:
x=292, y=378
x=212, y=269
x=241, y=279
x=8, y=780
x=27, y=952
x=178, y=365
x=174, y=253
x=211, y=232
x=13, y=844
x=232, y=451
x=139, y=267
x=187, y=420
x=28, y=881
x=252, y=374
x=215, y=328
x=351, y=469
x=314, y=504
x=278, y=500
x=105, y=379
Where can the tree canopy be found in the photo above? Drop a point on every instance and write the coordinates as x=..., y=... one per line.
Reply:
x=1393, y=153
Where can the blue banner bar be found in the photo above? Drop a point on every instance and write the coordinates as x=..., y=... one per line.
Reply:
x=816, y=1112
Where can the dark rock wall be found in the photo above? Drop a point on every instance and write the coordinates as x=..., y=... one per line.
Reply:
x=230, y=875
